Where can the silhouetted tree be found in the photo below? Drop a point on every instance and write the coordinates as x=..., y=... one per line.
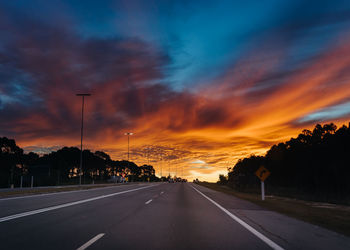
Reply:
x=314, y=165
x=11, y=162
x=62, y=166
x=222, y=179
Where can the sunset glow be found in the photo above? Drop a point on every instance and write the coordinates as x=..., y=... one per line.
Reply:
x=198, y=92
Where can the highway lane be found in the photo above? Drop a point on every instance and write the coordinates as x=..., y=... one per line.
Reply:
x=16, y=205
x=159, y=216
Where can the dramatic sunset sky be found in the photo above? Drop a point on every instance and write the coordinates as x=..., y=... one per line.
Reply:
x=201, y=84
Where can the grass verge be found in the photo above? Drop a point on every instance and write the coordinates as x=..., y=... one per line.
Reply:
x=330, y=216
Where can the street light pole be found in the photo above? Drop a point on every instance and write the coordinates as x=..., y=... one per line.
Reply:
x=81, y=135
x=128, y=134
x=148, y=154
x=161, y=165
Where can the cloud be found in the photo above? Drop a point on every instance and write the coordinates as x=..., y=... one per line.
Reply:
x=264, y=96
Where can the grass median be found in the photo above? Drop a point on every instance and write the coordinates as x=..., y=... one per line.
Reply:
x=331, y=216
x=31, y=191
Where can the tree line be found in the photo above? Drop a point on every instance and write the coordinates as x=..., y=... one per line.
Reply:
x=62, y=166
x=315, y=165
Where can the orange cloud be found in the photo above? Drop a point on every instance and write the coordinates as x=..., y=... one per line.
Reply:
x=192, y=133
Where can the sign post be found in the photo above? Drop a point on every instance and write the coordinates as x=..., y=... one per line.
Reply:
x=262, y=174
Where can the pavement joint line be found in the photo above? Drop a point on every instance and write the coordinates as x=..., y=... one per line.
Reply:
x=90, y=242
x=54, y=193
x=148, y=202
x=262, y=237
x=42, y=210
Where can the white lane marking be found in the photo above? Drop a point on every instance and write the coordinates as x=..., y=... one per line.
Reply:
x=58, y=192
x=262, y=237
x=42, y=210
x=162, y=192
x=148, y=202
x=90, y=242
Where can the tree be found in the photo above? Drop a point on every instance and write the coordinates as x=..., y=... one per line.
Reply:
x=222, y=179
x=314, y=165
x=11, y=162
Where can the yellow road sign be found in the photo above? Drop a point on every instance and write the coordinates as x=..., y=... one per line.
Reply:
x=262, y=173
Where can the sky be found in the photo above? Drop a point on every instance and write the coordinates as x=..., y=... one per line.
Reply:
x=201, y=84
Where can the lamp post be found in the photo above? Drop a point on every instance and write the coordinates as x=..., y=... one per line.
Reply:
x=161, y=165
x=148, y=152
x=128, y=134
x=81, y=135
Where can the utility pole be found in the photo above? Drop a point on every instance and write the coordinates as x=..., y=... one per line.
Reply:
x=81, y=135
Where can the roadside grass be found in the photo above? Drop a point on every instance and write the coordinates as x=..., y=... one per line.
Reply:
x=29, y=191
x=331, y=216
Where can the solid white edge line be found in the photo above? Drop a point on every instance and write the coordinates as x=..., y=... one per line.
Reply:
x=42, y=210
x=90, y=242
x=148, y=202
x=262, y=237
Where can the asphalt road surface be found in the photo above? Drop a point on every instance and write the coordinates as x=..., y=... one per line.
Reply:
x=153, y=216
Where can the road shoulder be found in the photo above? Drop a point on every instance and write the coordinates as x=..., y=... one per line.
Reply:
x=282, y=229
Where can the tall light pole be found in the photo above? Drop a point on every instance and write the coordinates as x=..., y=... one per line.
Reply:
x=169, y=168
x=148, y=152
x=128, y=134
x=81, y=135
x=161, y=165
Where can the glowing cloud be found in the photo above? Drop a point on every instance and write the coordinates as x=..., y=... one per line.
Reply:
x=268, y=92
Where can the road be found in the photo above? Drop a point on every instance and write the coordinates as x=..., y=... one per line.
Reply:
x=153, y=216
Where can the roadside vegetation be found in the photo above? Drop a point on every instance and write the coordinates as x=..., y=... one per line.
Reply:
x=314, y=166
x=61, y=167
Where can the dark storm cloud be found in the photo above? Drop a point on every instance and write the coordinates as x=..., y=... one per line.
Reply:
x=42, y=67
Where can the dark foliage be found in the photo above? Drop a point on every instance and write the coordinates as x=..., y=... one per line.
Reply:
x=61, y=167
x=315, y=165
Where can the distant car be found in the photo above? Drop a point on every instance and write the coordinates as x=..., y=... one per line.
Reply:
x=171, y=180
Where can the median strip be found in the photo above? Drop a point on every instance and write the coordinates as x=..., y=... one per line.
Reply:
x=60, y=192
x=42, y=210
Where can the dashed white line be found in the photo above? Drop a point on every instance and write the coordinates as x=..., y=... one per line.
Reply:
x=262, y=237
x=38, y=211
x=148, y=202
x=90, y=242
x=162, y=192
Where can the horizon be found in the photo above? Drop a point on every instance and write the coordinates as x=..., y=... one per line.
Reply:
x=198, y=91
x=142, y=160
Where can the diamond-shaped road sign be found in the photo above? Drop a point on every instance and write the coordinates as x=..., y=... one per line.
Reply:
x=262, y=173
